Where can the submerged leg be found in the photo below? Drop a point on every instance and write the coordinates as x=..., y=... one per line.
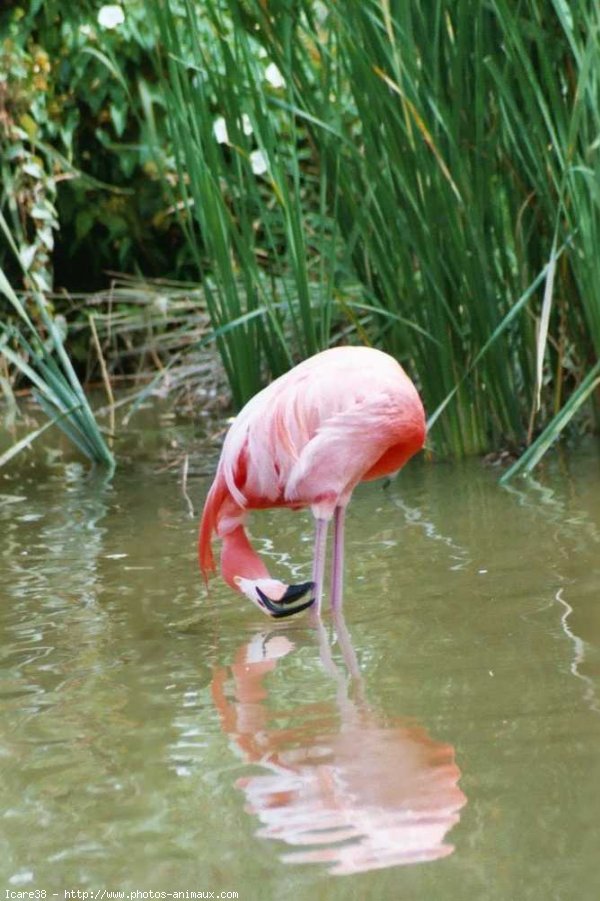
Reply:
x=318, y=571
x=337, y=566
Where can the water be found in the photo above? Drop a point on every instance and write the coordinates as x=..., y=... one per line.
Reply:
x=439, y=742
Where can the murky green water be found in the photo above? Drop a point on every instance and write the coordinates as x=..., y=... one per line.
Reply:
x=153, y=739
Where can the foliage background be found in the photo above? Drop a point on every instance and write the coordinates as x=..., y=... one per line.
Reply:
x=73, y=138
x=424, y=177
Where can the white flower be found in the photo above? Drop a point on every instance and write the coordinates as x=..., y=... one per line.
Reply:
x=220, y=131
x=110, y=16
x=258, y=162
x=246, y=124
x=274, y=76
x=161, y=303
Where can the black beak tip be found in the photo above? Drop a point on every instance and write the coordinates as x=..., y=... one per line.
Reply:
x=279, y=609
x=293, y=592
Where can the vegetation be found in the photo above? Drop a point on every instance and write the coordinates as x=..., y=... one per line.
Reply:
x=72, y=138
x=44, y=361
x=423, y=176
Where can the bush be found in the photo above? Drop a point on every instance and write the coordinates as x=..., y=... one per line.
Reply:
x=73, y=143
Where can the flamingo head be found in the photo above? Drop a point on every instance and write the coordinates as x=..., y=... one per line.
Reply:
x=274, y=598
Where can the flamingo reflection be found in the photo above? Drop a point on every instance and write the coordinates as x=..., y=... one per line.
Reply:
x=347, y=786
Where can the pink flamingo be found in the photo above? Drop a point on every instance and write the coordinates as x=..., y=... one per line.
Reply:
x=344, y=416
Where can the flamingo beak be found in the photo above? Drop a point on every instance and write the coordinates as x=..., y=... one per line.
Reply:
x=279, y=609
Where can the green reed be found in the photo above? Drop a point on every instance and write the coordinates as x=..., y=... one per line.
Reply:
x=242, y=198
x=448, y=151
x=35, y=346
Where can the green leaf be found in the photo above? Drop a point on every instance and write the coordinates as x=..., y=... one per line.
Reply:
x=551, y=433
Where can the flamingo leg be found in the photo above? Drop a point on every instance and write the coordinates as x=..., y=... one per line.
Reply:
x=337, y=566
x=318, y=571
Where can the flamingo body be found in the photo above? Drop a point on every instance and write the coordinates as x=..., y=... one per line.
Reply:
x=346, y=415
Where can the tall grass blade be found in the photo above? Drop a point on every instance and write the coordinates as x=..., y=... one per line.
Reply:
x=51, y=371
x=534, y=453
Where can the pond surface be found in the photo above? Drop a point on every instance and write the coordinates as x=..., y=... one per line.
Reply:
x=438, y=742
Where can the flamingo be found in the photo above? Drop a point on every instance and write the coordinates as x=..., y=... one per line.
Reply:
x=344, y=416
